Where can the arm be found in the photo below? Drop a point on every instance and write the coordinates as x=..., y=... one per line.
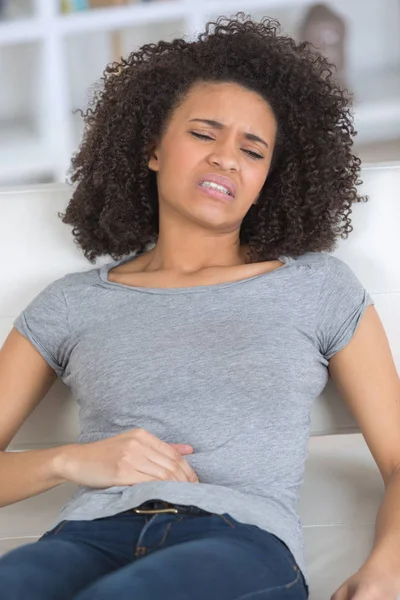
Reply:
x=386, y=549
x=366, y=377
x=26, y=474
x=25, y=378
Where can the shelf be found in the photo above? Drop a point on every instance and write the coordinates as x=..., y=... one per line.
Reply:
x=382, y=152
x=23, y=156
x=110, y=18
x=233, y=6
x=94, y=20
x=377, y=105
x=101, y=19
x=21, y=31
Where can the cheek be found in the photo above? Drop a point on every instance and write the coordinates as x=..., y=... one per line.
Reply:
x=182, y=164
x=179, y=159
x=255, y=180
x=175, y=173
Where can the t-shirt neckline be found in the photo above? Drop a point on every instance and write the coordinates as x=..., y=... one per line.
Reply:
x=104, y=269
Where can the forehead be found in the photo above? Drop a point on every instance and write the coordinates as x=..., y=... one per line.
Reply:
x=224, y=102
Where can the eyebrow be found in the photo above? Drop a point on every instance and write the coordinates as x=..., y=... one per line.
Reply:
x=218, y=125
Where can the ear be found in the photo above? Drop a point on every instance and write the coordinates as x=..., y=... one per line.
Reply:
x=153, y=163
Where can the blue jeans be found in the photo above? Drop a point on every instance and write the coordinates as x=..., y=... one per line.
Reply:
x=203, y=556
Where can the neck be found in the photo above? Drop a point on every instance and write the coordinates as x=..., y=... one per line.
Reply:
x=186, y=259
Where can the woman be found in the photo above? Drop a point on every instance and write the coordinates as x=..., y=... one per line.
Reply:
x=231, y=155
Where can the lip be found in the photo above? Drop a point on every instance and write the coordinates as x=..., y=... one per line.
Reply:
x=221, y=179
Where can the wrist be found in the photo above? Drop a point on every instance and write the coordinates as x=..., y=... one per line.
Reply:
x=61, y=462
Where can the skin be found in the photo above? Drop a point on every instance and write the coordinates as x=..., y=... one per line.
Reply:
x=198, y=241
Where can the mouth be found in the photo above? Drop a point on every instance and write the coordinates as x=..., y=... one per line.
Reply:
x=215, y=193
x=219, y=183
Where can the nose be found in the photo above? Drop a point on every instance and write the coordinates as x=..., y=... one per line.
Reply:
x=224, y=156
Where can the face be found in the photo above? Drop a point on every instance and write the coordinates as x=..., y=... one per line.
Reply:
x=237, y=145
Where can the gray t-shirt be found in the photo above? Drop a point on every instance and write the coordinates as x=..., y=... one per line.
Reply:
x=231, y=368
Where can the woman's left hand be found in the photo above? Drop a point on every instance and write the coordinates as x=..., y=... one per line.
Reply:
x=369, y=583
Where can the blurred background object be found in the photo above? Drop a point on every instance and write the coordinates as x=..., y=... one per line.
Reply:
x=68, y=6
x=326, y=30
x=53, y=54
x=3, y=4
x=13, y=9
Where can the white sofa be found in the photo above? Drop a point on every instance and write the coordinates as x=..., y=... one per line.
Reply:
x=342, y=488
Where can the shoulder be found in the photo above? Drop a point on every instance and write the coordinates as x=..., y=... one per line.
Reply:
x=324, y=262
x=75, y=280
x=316, y=259
x=320, y=262
x=328, y=272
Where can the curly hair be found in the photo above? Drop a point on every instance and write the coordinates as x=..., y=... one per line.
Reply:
x=306, y=199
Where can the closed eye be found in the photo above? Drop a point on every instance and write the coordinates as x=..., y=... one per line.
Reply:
x=253, y=155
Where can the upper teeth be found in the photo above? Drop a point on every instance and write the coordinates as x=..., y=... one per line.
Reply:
x=216, y=186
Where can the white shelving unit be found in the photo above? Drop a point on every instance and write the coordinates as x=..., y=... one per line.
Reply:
x=49, y=60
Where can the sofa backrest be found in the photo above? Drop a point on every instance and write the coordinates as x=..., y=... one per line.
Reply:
x=38, y=248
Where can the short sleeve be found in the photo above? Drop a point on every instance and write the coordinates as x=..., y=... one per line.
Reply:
x=341, y=304
x=44, y=322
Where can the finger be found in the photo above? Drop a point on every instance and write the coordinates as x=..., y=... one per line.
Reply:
x=172, y=455
x=165, y=467
x=190, y=474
